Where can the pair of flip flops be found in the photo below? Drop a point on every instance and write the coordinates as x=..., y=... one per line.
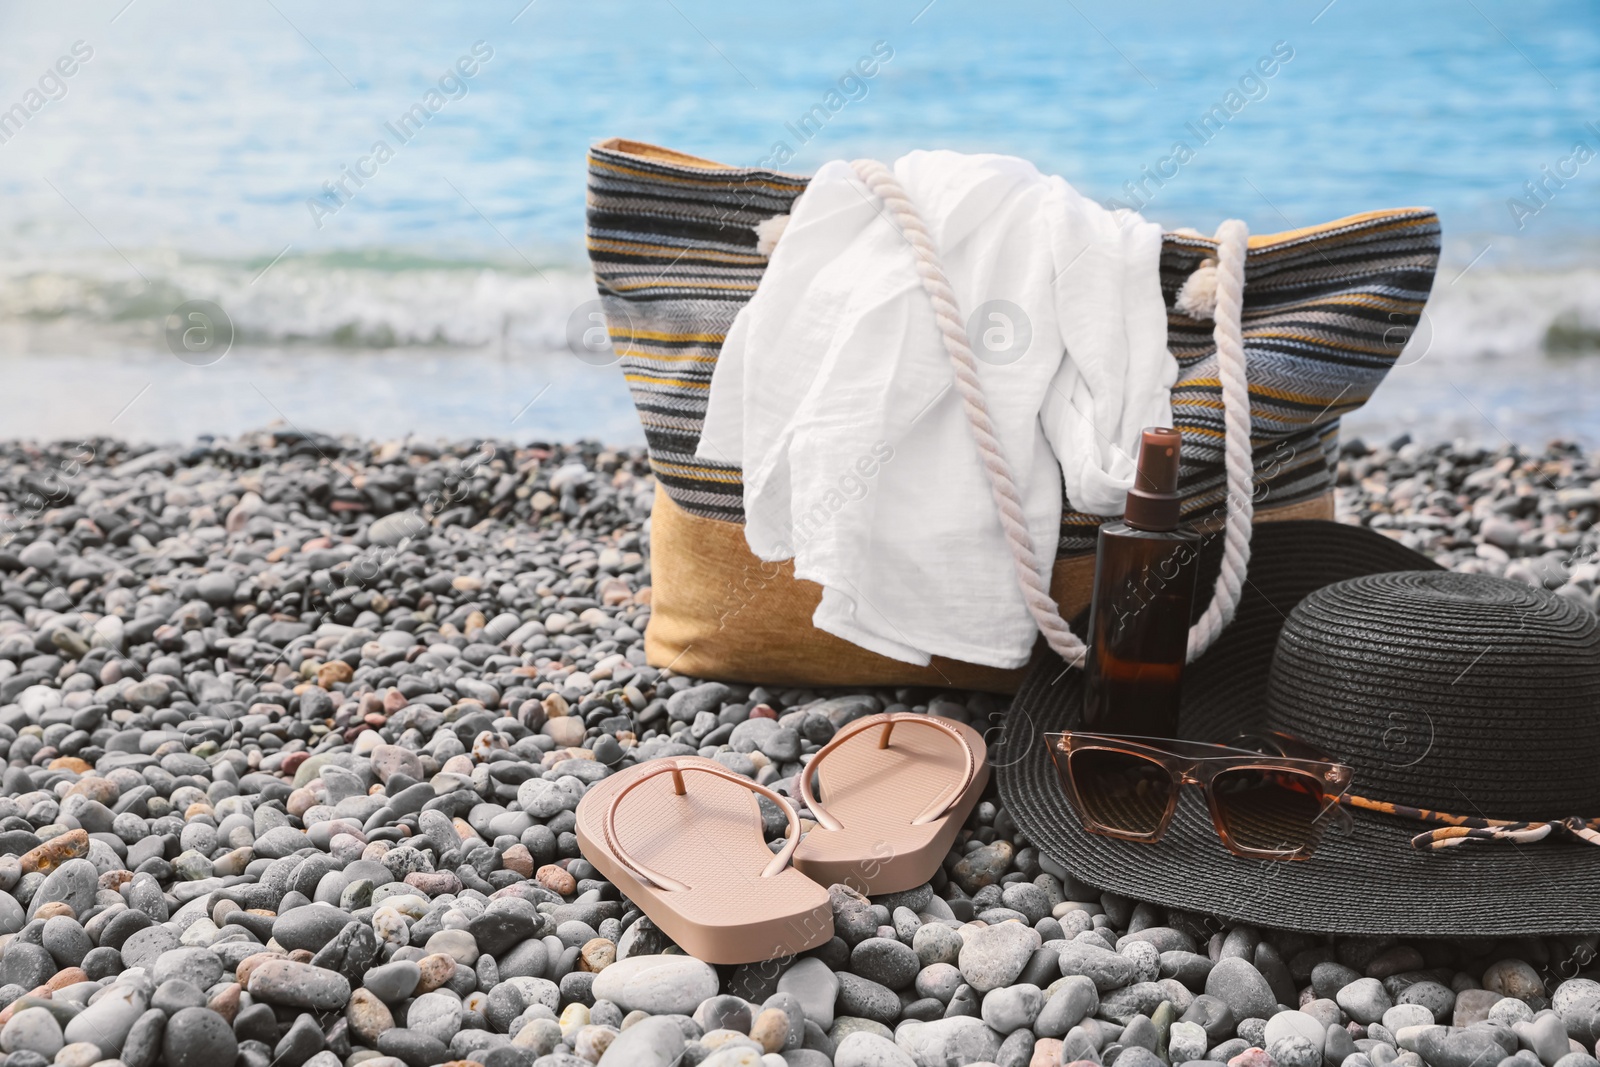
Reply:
x=683, y=837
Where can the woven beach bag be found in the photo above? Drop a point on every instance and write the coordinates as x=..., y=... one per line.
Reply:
x=674, y=245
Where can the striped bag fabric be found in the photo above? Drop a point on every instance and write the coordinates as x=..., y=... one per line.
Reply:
x=674, y=247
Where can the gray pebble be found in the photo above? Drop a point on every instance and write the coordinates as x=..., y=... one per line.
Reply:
x=1295, y=1051
x=1239, y=985
x=1106, y=969
x=886, y=961
x=1012, y=1008
x=866, y=999
x=937, y=943
x=1365, y=1000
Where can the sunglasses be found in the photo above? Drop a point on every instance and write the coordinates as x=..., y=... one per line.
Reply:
x=1271, y=795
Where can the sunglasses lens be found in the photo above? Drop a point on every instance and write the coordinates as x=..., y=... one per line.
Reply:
x=1270, y=811
x=1121, y=791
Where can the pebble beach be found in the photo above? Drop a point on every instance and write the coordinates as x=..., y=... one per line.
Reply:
x=294, y=728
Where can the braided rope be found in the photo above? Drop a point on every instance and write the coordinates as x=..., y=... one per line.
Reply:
x=1030, y=569
x=1238, y=462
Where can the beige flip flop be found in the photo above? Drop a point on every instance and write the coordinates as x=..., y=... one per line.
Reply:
x=898, y=787
x=682, y=838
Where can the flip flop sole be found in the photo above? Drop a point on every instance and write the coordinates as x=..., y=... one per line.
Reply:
x=710, y=839
x=875, y=794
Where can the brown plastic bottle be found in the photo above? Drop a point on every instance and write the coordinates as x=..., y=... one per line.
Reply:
x=1144, y=579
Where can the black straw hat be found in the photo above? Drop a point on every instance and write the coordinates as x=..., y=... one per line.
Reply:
x=1465, y=694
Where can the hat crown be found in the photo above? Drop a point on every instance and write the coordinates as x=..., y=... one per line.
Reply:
x=1458, y=692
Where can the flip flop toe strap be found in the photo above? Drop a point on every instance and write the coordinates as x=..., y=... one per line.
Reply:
x=887, y=720
x=608, y=826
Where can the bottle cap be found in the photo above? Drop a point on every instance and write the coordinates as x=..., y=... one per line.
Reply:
x=1153, y=500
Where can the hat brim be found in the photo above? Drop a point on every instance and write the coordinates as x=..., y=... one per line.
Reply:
x=1370, y=881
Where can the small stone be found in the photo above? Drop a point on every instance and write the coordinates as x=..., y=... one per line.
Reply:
x=1294, y=1023
x=556, y=879
x=862, y=1049
x=281, y=981
x=1212, y=1014
x=961, y=1040
x=438, y=1015
x=542, y=1036
x=1027, y=898
x=1252, y=1057
x=1328, y=977
x=32, y=1030
x=26, y=964
x=597, y=954
x=1106, y=969
x=1146, y=959
x=983, y=866
x=1187, y=1041
x=813, y=983
x=1473, y=1006
x=936, y=943
x=1394, y=960
x=1577, y=1001
x=866, y=999
x=1509, y=1011
x=1070, y=1001
x=652, y=1042
x=1295, y=1051
x=53, y=853
x=309, y=926
x=1401, y=1016
x=660, y=985
x=993, y=956
x=198, y=1037
x=74, y=884
x=1012, y=1008
x=770, y=1030
x=1140, y=1032
x=853, y=918
x=1240, y=986
x=1464, y=1048
x=459, y=945
x=1364, y=1000
x=1141, y=998
x=964, y=1001
x=1138, y=1056
x=175, y=994
x=1513, y=978
x=80, y=1054
x=886, y=962
x=434, y=970
x=368, y=1016
x=1431, y=995
x=300, y=1042
x=724, y=1012
x=108, y=1020
x=938, y=981
x=1189, y=968
x=393, y=982
x=414, y=1048
x=1545, y=1035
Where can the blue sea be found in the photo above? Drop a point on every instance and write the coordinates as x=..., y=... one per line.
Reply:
x=155, y=153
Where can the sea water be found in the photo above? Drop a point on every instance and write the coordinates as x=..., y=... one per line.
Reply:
x=387, y=203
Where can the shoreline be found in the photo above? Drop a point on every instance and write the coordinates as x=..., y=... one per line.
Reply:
x=288, y=763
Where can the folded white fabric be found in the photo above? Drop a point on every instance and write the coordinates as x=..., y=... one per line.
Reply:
x=835, y=395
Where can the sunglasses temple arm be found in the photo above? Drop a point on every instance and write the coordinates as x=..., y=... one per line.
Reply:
x=1337, y=813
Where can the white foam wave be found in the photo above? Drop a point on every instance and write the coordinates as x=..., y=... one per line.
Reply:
x=380, y=300
x=367, y=302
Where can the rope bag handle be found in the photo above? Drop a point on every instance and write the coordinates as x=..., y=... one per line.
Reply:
x=1232, y=239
